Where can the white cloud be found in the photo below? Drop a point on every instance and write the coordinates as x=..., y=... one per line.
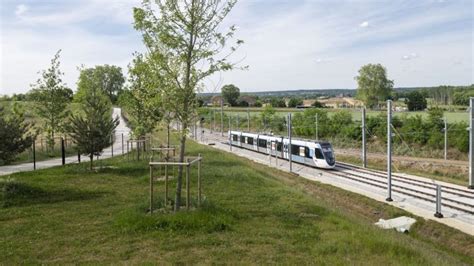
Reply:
x=410, y=56
x=364, y=24
x=21, y=9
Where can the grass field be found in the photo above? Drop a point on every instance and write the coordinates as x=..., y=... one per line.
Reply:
x=252, y=214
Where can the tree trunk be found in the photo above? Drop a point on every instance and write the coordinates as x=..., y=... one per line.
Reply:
x=92, y=159
x=179, y=181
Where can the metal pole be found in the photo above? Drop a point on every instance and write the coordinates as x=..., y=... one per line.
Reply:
x=230, y=135
x=438, y=213
x=122, y=143
x=238, y=126
x=222, y=117
x=112, y=146
x=389, y=150
x=445, y=138
x=199, y=180
x=289, y=144
x=471, y=143
x=78, y=156
x=34, y=155
x=316, y=126
x=63, y=151
x=364, y=141
x=187, y=184
x=151, y=189
x=248, y=120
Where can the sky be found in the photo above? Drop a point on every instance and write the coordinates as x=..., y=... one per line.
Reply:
x=289, y=45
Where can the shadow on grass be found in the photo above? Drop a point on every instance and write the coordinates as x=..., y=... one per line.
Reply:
x=16, y=194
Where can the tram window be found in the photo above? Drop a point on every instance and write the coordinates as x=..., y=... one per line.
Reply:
x=262, y=143
x=242, y=139
x=302, y=151
x=318, y=153
x=250, y=140
x=295, y=149
x=235, y=137
x=278, y=146
x=306, y=152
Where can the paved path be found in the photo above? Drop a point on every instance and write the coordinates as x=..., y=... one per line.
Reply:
x=117, y=149
x=454, y=218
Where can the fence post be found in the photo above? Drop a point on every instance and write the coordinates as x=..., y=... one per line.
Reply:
x=438, y=213
x=112, y=146
x=445, y=139
x=316, y=127
x=78, y=156
x=230, y=134
x=187, y=184
x=389, y=150
x=199, y=180
x=63, y=151
x=34, y=154
x=248, y=120
x=122, y=143
x=151, y=189
x=364, y=140
x=471, y=143
x=289, y=144
x=222, y=117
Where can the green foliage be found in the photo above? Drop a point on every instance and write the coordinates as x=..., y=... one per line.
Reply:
x=294, y=102
x=373, y=84
x=416, y=101
x=277, y=102
x=230, y=93
x=93, y=131
x=107, y=78
x=317, y=104
x=14, y=137
x=52, y=96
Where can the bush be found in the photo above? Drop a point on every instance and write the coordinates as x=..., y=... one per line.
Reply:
x=14, y=137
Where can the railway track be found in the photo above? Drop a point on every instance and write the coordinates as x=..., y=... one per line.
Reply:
x=452, y=197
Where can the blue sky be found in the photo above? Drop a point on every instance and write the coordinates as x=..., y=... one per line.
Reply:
x=288, y=44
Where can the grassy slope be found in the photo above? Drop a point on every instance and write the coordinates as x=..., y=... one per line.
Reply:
x=253, y=214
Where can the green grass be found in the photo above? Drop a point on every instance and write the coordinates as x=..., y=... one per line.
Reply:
x=251, y=214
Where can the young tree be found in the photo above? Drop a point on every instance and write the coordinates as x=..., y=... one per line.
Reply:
x=415, y=101
x=53, y=97
x=184, y=42
x=93, y=130
x=14, y=137
x=373, y=84
x=108, y=78
x=230, y=93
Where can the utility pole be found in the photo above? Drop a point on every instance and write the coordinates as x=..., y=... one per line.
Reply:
x=389, y=150
x=222, y=116
x=445, y=139
x=248, y=120
x=289, y=144
x=471, y=143
x=316, y=126
x=211, y=122
x=364, y=141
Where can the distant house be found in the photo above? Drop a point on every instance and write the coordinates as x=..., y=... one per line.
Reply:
x=216, y=100
x=335, y=102
x=251, y=100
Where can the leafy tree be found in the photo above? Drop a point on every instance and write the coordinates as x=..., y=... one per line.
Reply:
x=53, y=97
x=184, y=42
x=93, y=130
x=230, y=93
x=267, y=115
x=14, y=137
x=373, y=84
x=108, y=78
x=318, y=104
x=294, y=102
x=277, y=102
x=415, y=101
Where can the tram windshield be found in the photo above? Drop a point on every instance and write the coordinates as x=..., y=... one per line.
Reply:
x=328, y=153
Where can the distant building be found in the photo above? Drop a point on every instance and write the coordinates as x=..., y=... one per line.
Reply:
x=216, y=100
x=336, y=102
